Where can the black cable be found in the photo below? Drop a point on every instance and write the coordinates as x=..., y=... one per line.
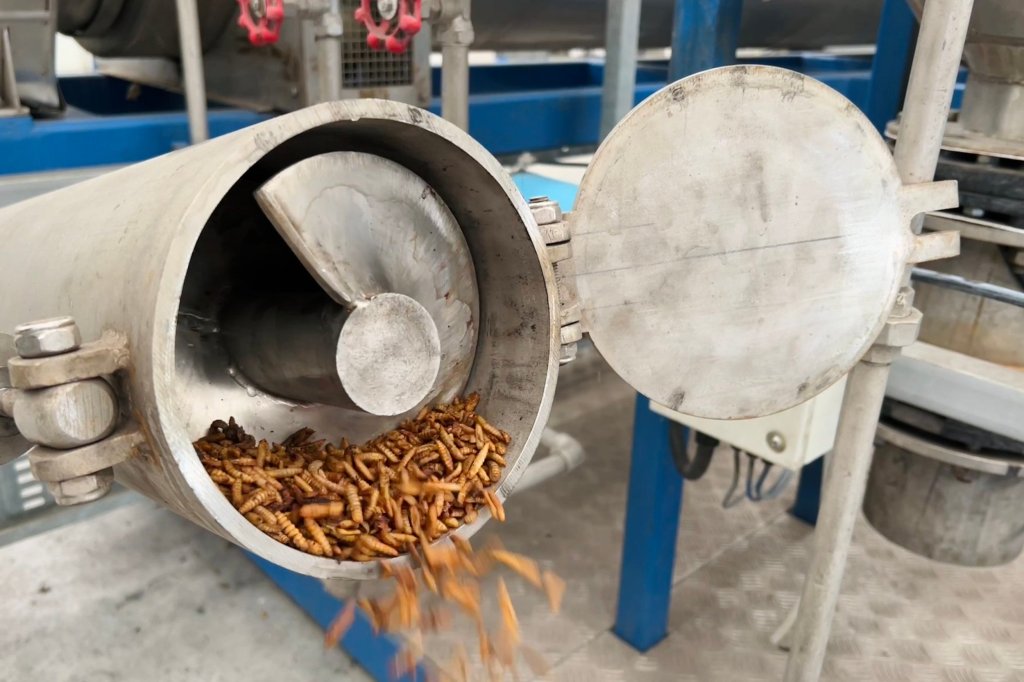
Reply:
x=731, y=499
x=690, y=469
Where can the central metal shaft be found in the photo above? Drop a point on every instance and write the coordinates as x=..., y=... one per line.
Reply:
x=382, y=357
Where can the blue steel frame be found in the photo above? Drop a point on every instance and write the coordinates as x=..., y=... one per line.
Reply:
x=513, y=108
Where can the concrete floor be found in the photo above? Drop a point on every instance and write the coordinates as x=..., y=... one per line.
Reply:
x=139, y=594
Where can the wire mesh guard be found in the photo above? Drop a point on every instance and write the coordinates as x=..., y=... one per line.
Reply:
x=366, y=68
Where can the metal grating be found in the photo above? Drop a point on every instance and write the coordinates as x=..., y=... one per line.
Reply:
x=366, y=68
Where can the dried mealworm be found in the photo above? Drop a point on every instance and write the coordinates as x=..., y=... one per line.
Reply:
x=554, y=588
x=481, y=456
x=369, y=542
x=497, y=510
x=291, y=531
x=258, y=498
x=322, y=510
x=317, y=533
x=284, y=473
x=508, y=612
x=355, y=508
x=525, y=567
x=236, y=492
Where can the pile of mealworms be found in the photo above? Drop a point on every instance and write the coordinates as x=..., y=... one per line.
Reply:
x=451, y=575
x=409, y=486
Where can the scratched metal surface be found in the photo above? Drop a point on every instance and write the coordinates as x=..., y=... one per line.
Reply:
x=900, y=617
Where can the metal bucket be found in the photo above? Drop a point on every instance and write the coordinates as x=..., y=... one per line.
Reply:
x=943, y=503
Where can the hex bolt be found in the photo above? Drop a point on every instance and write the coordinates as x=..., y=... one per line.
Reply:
x=82, y=489
x=776, y=441
x=44, y=338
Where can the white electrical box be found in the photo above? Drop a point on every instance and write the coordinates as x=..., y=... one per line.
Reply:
x=790, y=438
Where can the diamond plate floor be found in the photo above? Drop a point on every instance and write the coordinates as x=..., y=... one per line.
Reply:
x=737, y=573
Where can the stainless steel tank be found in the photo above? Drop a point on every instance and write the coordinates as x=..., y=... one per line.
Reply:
x=143, y=28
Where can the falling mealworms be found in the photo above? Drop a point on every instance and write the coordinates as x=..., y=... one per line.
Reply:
x=399, y=493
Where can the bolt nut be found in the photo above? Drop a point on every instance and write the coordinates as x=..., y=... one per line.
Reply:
x=571, y=333
x=776, y=441
x=545, y=211
x=83, y=488
x=44, y=338
x=899, y=332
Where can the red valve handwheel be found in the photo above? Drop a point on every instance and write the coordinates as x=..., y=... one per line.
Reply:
x=392, y=35
x=266, y=29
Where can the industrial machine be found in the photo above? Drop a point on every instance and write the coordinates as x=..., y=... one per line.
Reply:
x=164, y=275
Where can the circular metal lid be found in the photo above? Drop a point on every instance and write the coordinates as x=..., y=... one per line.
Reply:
x=739, y=240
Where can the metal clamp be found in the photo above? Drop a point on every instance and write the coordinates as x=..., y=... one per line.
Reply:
x=61, y=401
x=548, y=216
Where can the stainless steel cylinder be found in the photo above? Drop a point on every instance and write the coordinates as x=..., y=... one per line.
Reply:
x=160, y=251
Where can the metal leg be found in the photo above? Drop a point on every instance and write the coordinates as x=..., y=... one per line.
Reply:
x=652, y=523
x=192, y=70
x=621, y=45
x=374, y=653
x=929, y=94
x=897, y=31
x=808, y=492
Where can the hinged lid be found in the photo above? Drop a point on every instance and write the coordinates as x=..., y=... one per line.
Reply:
x=739, y=240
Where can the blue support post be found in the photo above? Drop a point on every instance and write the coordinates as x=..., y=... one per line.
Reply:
x=652, y=523
x=894, y=50
x=705, y=35
x=808, y=492
x=373, y=652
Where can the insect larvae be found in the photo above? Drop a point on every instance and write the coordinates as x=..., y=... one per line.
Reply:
x=371, y=543
x=236, y=492
x=481, y=457
x=291, y=531
x=258, y=498
x=354, y=506
x=322, y=510
x=317, y=533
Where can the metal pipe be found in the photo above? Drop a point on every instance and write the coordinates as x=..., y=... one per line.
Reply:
x=456, y=36
x=926, y=109
x=566, y=453
x=329, y=47
x=621, y=45
x=192, y=70
x=957, y=283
